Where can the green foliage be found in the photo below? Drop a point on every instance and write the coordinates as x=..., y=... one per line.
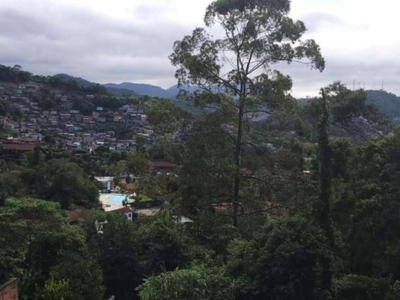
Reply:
x=118, y=256
x=32, y=234
x=207, y=168
x=345, y=106
x=166, y=149
x=164, y=115
x=387, y=103
x=355, y=287
x=69, y=83
x=55, y=289
x=9, y=74
x=366, y=210
x=70, y=185
x=9, y=110
x=283, y=262
x=239, y=158
x=130, y=252
x=258, y=34
x=84, y=106
x=80, y=278
x=323, y=214
x=58, y=179
x=197, y=283
x=101, y=162
x=213, y=233
x=137, y=163
x=341, y=153
x=164, y=245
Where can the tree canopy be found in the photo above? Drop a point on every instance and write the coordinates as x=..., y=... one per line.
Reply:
x=234, y=74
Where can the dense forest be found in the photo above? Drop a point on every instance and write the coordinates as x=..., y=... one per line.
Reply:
x=286, y=200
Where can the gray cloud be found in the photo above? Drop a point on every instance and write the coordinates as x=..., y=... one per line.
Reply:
x=55, y=37
x=84, y=43
x=315, y=21
x=371, y=74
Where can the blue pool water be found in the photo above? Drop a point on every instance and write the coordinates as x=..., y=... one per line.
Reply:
x=116, y=199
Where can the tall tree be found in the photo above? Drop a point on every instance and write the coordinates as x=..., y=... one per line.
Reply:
x=234, y=73
x=325, y=174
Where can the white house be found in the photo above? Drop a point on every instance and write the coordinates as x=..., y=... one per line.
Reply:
x=107, y=182
x=127, y=211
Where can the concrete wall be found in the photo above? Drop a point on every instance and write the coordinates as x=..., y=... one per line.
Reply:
x=9, y=290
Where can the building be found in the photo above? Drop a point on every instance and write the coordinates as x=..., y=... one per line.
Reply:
x=162, y=166
x=107, y=182
x=15, y=150
x=181, y=220
x=127, y=211
x=7, y=123
x=9, y=290
x=74, y=216
x=65, y=117
x=87, y=138
x=86, y=120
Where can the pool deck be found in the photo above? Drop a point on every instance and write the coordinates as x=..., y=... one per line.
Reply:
x=109, y=207
x=104, y=201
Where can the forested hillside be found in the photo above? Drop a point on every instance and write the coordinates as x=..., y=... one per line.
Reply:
x=388, y=103
x=121, y=196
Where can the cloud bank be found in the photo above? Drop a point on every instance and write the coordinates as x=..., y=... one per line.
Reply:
x=121, y=40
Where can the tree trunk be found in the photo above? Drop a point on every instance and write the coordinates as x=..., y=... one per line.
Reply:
x=324, y=211
x=238, y=156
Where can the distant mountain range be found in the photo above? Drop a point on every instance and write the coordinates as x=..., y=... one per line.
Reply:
x=118, y=91
x=80, y=81
x=387, y=103
x=148, y=89
x=141, y=89
x=144, y=89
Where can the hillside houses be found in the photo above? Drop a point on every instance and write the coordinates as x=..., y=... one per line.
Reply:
x=8, y=123
x=73, y=129
x=14, y=148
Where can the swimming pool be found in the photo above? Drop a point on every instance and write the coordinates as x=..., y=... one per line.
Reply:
x=116, y=199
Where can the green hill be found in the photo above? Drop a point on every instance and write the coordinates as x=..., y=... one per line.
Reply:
x=387, y=103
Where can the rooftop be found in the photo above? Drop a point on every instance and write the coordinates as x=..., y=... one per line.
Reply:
x=162, y=164
x=123, y=210
x=19, y=147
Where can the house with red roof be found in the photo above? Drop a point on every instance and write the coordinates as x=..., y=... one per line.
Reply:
x=9, y=290
x=74, y=216
x=162, y=167
x=15, y=150
x=127, y=211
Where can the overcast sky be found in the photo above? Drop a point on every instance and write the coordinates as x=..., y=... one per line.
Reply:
x=130, y=40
